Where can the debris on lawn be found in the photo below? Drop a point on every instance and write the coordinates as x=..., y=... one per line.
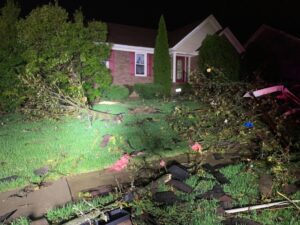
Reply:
x=239, y=221
x=25, y=191
x=105, y=140
x=161, y=191
x=248, y=124
x=9, y=179
x=42, y=171
x=196, y=147
x=180, y=186
x=262, y=206
x=215, y=193
x=219, y=176
x=290, y=189
x=166, y=198
x=265, y=185
x=95, y=192
x=144, y=109
x=121, y=163
x=178, y=172
x=6, y=216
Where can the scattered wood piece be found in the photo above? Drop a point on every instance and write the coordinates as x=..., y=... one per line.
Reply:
x=225, y=202
x=290, y=189
x=118, y=216
x=9, y=179
x=85, y=218
x=217, y=174
x=289, y=200
x=180, y=186
x=215, y=193
x=98, y=191
x=166, y=197
x=263, y=206
x=265, y=185
x=178, y=172
x=41, y=171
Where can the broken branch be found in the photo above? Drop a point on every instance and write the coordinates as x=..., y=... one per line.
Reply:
x=263, y=206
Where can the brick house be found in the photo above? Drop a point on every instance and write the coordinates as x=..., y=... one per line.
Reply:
x=131, y=59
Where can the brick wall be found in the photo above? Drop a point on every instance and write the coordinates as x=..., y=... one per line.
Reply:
x=121, y=73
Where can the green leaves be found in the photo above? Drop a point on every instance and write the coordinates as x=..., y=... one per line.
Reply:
x=10, y=60
x=162, y=63
x=62, y=56
x=217, y=53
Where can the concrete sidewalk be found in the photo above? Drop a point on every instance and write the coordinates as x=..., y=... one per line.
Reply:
x=35, y=204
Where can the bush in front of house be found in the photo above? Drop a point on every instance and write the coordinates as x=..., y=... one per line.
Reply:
x=115, y=92
x=149, y=91
x=162, y=63
x=219, y=55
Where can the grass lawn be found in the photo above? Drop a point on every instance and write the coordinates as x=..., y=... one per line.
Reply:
x=72, y=145
x=243, y=189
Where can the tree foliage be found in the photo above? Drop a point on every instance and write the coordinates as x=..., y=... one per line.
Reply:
x=10, y=59
x=64, y=56
x=216, y=52
x=162, y=64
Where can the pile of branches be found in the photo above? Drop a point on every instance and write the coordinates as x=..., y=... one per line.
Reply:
x=222, y=123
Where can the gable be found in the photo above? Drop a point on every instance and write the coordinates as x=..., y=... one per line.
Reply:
x=191, y=42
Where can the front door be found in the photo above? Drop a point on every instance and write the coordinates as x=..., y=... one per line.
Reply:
x=180, y=69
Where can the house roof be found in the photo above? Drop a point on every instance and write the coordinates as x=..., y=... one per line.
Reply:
x=178, y=34
x=279, y=47
x=186, y=39
x=265, y=31
x=144, y=37
x=131, y=35
x=192, y=41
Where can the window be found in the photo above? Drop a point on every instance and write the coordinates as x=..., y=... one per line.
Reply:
x=140, y=64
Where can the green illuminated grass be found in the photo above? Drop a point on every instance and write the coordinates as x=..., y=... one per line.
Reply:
x=71, y=145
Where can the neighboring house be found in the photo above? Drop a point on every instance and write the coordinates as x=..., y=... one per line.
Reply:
x=277, y=52
x=131, y=59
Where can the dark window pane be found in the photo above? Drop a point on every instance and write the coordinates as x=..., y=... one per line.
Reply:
x=140, y=69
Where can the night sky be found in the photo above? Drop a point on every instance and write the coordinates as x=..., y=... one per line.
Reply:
x=243, y=16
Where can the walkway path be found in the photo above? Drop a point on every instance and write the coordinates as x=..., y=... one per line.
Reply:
x=36, y=203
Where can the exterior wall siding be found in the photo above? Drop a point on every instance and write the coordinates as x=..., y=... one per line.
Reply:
x=121, y=73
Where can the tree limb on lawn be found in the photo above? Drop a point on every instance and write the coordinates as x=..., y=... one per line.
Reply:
x=263, y=206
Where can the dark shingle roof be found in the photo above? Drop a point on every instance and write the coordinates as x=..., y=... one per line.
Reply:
x=144, y=37
x=131, y=35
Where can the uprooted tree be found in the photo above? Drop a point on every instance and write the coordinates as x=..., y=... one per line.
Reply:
x=10, y=59
x=63, y=61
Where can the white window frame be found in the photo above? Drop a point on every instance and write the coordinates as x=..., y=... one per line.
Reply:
x=145, y=64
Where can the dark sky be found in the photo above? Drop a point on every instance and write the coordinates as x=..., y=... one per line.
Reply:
x=243, y=16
